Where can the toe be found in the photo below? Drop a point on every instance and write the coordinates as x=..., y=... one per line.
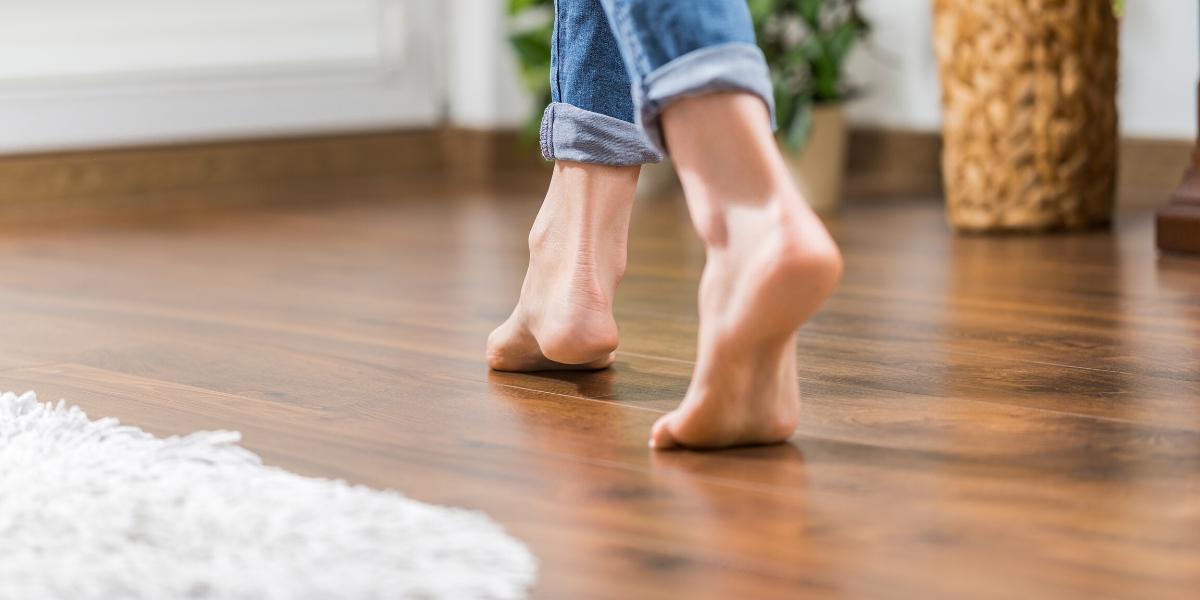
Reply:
x=661, y=437
x=511, y=348
x=498, y=349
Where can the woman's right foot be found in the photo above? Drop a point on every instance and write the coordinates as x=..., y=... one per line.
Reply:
x=577, y=252
x=753, y=297
x=770, y=265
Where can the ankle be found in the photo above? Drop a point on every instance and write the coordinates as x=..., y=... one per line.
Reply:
x=584, y=203
x=783, y=233
x=539, y=239
x=809, y=253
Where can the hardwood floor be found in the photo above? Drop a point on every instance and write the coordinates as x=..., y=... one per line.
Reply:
x=1009, y=417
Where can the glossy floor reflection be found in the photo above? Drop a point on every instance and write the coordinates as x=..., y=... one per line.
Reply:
x=1012, y=417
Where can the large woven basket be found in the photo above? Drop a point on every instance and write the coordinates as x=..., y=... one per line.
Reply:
x=1029, y=112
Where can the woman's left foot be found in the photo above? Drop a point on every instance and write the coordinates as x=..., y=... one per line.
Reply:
x=577, y=251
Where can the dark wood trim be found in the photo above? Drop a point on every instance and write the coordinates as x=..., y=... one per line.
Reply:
x=1178, y=224
x=888, y=163
x=155, y=179
x=881, y=163
x=893, y=163
x=486, y=153
x=134, y=180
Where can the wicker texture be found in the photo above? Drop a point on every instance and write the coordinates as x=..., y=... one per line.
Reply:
x=1029, y=112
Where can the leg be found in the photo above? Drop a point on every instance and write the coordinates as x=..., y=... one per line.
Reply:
x=770, y=265
x=563, y=319
x=702, y=89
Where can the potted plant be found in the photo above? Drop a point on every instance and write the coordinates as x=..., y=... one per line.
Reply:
x=806, y=43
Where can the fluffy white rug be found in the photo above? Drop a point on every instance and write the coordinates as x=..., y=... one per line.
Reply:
x=97, y=510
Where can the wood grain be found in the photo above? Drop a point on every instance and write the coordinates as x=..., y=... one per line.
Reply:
x=984, y=417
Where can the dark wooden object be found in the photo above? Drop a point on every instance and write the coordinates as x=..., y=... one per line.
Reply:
x=983, y=417
x=1178, y=226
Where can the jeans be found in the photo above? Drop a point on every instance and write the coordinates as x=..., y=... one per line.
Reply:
x=616, y=64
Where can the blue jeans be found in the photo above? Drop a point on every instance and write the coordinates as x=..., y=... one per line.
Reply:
x=616, y=64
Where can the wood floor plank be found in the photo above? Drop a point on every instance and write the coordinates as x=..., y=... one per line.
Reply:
x=973, y=347
x=1010, y=417
x=960, y=364
x=981, y=378
x=924, y=505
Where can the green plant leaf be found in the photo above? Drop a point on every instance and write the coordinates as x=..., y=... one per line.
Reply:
x=810, y=12
x=795, y=137
x=785, y=105
x=516, y=7
x=761, y=10
x=532, y=47
x=841, y=41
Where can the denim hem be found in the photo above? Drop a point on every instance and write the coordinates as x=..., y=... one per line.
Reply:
x=735, y=66
x=572, y=133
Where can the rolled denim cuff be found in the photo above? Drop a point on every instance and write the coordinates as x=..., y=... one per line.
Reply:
x=735, y=66
x=572, y=133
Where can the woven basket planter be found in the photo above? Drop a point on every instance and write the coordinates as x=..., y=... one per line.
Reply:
x=1029, y=112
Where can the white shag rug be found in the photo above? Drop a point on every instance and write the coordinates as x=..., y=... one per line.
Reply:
x=97, y=510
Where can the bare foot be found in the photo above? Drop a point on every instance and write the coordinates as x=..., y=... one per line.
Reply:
x=577, y=252
x=753, y=296
x=770, y=265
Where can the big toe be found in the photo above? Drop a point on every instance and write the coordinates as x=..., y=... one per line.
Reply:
x=661, y=435
x=508, y=349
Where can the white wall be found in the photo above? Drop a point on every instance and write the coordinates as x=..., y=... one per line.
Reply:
x=895, y=68
x=483, y=87
x=81, y=73
x=1159, y=68
x=1160, y=60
